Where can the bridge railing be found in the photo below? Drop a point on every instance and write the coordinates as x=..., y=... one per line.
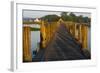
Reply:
x=48, y=30
x=79, y=31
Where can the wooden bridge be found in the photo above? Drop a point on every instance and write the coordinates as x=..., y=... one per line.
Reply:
x=59, y=41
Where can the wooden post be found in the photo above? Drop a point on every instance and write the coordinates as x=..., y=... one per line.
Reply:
x=84, y=37
x=75, y=30
x=80, y=33
x=49, y=32
x=27, y=56
x=43, y=31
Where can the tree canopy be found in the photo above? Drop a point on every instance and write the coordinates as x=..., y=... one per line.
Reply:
x=66, y=17
x=50, y=18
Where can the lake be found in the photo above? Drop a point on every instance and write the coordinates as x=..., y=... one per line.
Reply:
x=35, y=39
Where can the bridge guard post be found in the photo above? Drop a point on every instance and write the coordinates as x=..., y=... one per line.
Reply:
x=27, y=57
x=76, y=31
x=80, y=33
x=43, y=32
x=84, y=36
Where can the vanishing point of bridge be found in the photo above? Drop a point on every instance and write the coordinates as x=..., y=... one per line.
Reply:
x=59, y=41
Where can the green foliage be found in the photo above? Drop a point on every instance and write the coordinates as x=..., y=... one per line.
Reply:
x=50, y=18
x=80, y=19
x=35, y=29
x=27, y=22
x=86, y=19
x=72, y=17
x=64, y=16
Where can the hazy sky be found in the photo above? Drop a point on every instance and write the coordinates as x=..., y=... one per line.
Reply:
x=38, y=14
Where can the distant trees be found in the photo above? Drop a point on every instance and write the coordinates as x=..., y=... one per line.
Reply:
x=80, y=19
x=86, y=19
x=50, y=18
x=73, y=17
x=66, y=16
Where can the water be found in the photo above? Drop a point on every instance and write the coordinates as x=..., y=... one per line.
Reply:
x=35, y=25
x=35, y=40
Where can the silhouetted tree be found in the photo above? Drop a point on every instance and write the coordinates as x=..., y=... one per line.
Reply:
x=80, y=19
x=50, y=18
x=64, y=16
x=73, y=17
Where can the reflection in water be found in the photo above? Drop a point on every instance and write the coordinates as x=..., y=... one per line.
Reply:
x=35, y=40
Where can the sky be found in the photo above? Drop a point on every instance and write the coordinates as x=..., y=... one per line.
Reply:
x=38, y=14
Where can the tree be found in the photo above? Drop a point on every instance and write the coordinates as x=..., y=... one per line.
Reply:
x=70, y=17
x=86, y=20
x=80, y=19
x=50, y=18
x=64, y=16
x=73, y=17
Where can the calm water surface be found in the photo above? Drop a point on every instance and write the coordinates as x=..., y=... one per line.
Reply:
x=35, y=39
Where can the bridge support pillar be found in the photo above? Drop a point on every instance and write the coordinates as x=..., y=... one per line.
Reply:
x=27, y=57
x=84, y=37
x=80, y=33
x=76, y=31
x=43, y=32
